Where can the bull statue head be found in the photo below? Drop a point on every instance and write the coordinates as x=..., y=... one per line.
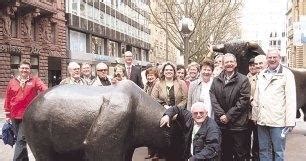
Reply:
x=243, y=51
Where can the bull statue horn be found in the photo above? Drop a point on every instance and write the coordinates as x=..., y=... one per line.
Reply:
x=252, y=45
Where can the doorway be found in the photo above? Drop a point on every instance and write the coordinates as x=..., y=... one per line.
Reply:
x=54, y=71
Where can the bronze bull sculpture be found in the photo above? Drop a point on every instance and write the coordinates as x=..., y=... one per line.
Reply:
x=77, y=123
x=244, y=51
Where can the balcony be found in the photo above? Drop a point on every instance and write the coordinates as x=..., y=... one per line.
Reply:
x=290, y=32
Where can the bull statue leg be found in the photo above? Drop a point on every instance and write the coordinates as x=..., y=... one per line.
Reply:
x=110, y=132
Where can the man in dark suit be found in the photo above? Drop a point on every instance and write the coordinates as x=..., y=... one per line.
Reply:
x=133, y=72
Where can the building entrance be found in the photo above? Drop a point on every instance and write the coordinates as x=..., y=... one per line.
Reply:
x=54, y=71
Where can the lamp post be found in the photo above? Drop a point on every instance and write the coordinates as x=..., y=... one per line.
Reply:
x=186, y=26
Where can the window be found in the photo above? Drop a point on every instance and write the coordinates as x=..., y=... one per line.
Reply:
x=113, y=48
x=97, y=45
x=278, y=42
x=77, y=42
x=33, y=29
x=15, y=61
x=14, y=27
x=34, y=60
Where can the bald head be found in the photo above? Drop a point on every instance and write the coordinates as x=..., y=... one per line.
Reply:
x=74, y=70
x=260, y=62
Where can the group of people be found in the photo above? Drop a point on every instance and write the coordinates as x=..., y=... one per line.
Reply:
x=233, y=117
x=224, y=115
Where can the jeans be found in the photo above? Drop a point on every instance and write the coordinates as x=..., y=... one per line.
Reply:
x=266, y=136
x=20, y=153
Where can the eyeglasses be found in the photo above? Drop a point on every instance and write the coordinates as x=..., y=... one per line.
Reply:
x=101, y=70
x=198, y=113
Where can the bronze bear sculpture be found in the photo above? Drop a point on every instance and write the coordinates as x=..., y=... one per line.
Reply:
x=244, y=51
x=78, y=123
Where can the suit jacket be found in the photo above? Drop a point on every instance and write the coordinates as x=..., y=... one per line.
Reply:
x=136, y=75
x=159, y=92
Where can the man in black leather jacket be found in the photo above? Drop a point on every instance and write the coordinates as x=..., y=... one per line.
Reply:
x=230, y=100
x=202, y=134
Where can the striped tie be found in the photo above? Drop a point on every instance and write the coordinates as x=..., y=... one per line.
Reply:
x=129, y=72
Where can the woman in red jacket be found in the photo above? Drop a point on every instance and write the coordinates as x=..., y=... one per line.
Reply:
x=21, y=90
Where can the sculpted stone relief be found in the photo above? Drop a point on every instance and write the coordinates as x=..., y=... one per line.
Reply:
x=27, y=20
x=44, y=29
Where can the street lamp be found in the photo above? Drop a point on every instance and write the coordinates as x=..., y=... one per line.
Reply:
x=186, y=26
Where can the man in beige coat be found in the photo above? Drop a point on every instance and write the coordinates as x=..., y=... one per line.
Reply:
x=275, y=103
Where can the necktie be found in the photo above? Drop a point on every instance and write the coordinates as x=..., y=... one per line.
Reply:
x=129, y=72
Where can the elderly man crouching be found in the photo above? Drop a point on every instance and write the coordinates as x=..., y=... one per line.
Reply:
x=202, y=133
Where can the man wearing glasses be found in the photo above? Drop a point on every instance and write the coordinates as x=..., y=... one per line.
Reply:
x=102, y=78
x=74, y=75
x=20, y=91
x=203, y=136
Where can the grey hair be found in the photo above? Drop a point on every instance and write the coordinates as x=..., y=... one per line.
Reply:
x=85, y=63
x=128, y=52
x=199, y=104
x=260, y=58
x=194, y=64
x=273, y=50
x=229, y=55
x=101, y=65
x=72, y=65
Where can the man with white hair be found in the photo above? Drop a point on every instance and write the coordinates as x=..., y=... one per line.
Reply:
x=74, y=75
x=102, y=78
x=203, y=137
x=275, y=104
x=133, y=72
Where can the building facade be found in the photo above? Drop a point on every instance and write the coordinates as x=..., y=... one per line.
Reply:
x=264, y=22
x=296, y=48
x=162, y=49
x=102, y=30
x=33, y=30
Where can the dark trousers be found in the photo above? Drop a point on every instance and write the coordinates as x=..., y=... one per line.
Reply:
x=253, y=145
x=234, y=145
x=20, y=153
